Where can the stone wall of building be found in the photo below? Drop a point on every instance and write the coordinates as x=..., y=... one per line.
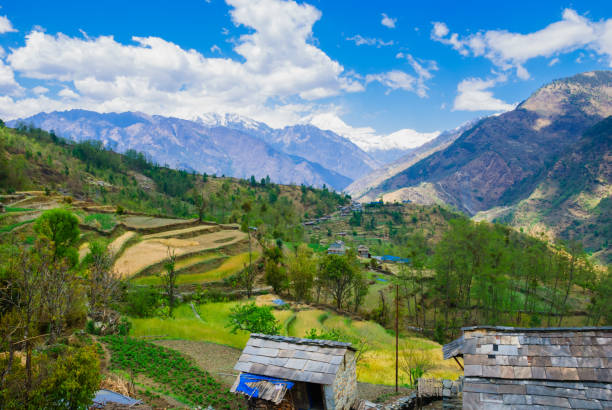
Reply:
x=537, y=368
x=479, y=392
x=343, y=393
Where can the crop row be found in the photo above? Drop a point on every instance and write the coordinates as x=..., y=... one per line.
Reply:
x=169, y=367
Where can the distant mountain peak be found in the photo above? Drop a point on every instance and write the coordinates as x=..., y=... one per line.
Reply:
x=232, y=120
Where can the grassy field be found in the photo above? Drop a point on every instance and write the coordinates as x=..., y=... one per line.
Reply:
x=375, y=367
x=106, y=222
x=229, y=267
x=186, y=325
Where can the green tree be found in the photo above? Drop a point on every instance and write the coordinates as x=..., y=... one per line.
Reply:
x=338, y=274
x=302, y=267
x=254, y=319
x=600, y=308
x=61, y=227
x=275, y=274
x=72, y=381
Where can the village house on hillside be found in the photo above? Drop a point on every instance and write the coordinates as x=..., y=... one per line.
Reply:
x=293, y=373
x=535, y=368
x=337, y=248
x=363, y=251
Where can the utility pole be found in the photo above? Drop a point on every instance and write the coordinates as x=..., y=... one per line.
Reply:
x=396, y=334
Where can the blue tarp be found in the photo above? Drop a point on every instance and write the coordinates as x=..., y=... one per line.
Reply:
x=278, y=302
x=106, y=396
x=254, y=378
x=391, y=258
x=381, y=280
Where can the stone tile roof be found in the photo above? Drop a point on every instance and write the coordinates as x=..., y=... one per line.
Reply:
x=292, y=358
x=537, y=329
x=564, y=354
x=452, y=349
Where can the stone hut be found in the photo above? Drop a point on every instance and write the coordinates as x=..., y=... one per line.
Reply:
x=363, y=251
x=337, y=248
x=293, y=373
x=535, y=367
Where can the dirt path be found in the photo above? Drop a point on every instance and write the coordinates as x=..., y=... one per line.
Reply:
x=115, y=246
x=216, y=359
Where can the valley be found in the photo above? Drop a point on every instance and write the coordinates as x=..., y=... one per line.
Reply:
x=165, y=271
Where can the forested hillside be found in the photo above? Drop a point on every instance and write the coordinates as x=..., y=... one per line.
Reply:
x=32, y=159
x=573, y=202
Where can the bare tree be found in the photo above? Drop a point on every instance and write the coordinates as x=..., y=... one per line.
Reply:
x=103, y=281
x=415, y=362
x=169, y=278
x=57, y=294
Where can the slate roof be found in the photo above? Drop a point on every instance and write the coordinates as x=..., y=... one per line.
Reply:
x=292, y=358
x=452, y=349
x=563, y=354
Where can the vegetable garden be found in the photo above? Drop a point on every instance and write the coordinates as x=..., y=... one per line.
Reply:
x=183, y=379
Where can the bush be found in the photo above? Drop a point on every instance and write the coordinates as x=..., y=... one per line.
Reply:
x=90, y=327
x=254, y=319
x=124, y=326
x=142, y=301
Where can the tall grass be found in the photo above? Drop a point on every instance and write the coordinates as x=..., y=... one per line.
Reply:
x=185, y=325
x=376, y=366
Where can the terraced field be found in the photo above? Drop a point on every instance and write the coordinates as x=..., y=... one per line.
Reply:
x=150, y=252
x=185, y=232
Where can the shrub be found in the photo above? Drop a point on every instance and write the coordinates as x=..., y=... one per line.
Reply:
x=124, y=326
x=141, y=301
x=252, y=318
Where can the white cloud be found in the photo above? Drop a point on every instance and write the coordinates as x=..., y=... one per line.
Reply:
x=359, y=40
x=8, y=84
x=439, y=29
x=424, y=69
x=388, y=21
x=215, y=49
x=280, y=66
x=394, y=80
x=474, y=95
x=67, y=93
x=367, y=138
x=553, y=62
x=6, y=26
x=509, y=50
x=39, y=89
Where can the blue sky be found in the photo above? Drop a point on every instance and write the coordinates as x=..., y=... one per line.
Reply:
x=385, y=73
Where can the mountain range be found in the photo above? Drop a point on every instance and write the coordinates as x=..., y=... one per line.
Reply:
x=544, y=167
x=223, y=145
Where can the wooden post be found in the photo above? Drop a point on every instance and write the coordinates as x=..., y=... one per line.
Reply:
x=396, y=334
